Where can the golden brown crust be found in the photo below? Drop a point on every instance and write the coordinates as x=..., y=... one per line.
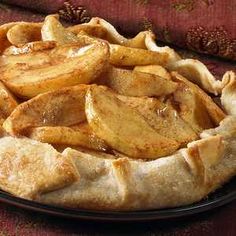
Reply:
x=195, y=163
x=30, y=168
x=180, y=179
x=92, y=30
x=205, y=149
x=165, y=182
x=196, y=72
x=135, y=185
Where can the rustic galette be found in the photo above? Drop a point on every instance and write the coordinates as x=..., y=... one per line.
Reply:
x=91, y=119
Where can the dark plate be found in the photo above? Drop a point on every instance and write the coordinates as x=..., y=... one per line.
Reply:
x=221, y=197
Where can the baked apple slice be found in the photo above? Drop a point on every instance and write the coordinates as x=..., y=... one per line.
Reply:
x=163, y=118
x=7, y=104
x=53, y=30
x=7, y=101
x=81, y=66
x=123, y=128
x=30, y=47
x=154, y=69
x=136, y=83
x=79, y=135
x=196, y=107
x=62, y=107
x=23, y=33
x=127, y=56
x=4, y=29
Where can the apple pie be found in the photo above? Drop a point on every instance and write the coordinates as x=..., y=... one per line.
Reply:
x=91, y=119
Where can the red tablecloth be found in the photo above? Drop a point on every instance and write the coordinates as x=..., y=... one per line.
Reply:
x=206, y=26
x=18, y=222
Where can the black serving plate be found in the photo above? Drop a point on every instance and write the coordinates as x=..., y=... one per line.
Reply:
x=222, y=196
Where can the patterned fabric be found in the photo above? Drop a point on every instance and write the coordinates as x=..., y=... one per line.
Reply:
x=10, y=13
x=19, y=222
x=206, y=26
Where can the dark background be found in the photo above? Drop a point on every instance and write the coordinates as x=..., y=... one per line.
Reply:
x=17, y=222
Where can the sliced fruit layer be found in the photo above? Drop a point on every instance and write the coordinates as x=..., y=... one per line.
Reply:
x=63, y=107
x=123, y=128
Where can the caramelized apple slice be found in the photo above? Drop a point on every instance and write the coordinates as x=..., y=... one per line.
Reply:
x=30, y=47
x=24, y=33
x=7, y=101
x=123, y=128
x=79, y=135
x=191, y=108
x=127, y=56
x=163, y=118
x=4, y=41
x=81, y=67
x=62, y=107
x=154, y=69
x=196, y=107
x=53, y=30
x=135, y=83
x=39, y=58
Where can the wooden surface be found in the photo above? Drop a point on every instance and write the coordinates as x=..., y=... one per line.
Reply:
x=17, y=222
